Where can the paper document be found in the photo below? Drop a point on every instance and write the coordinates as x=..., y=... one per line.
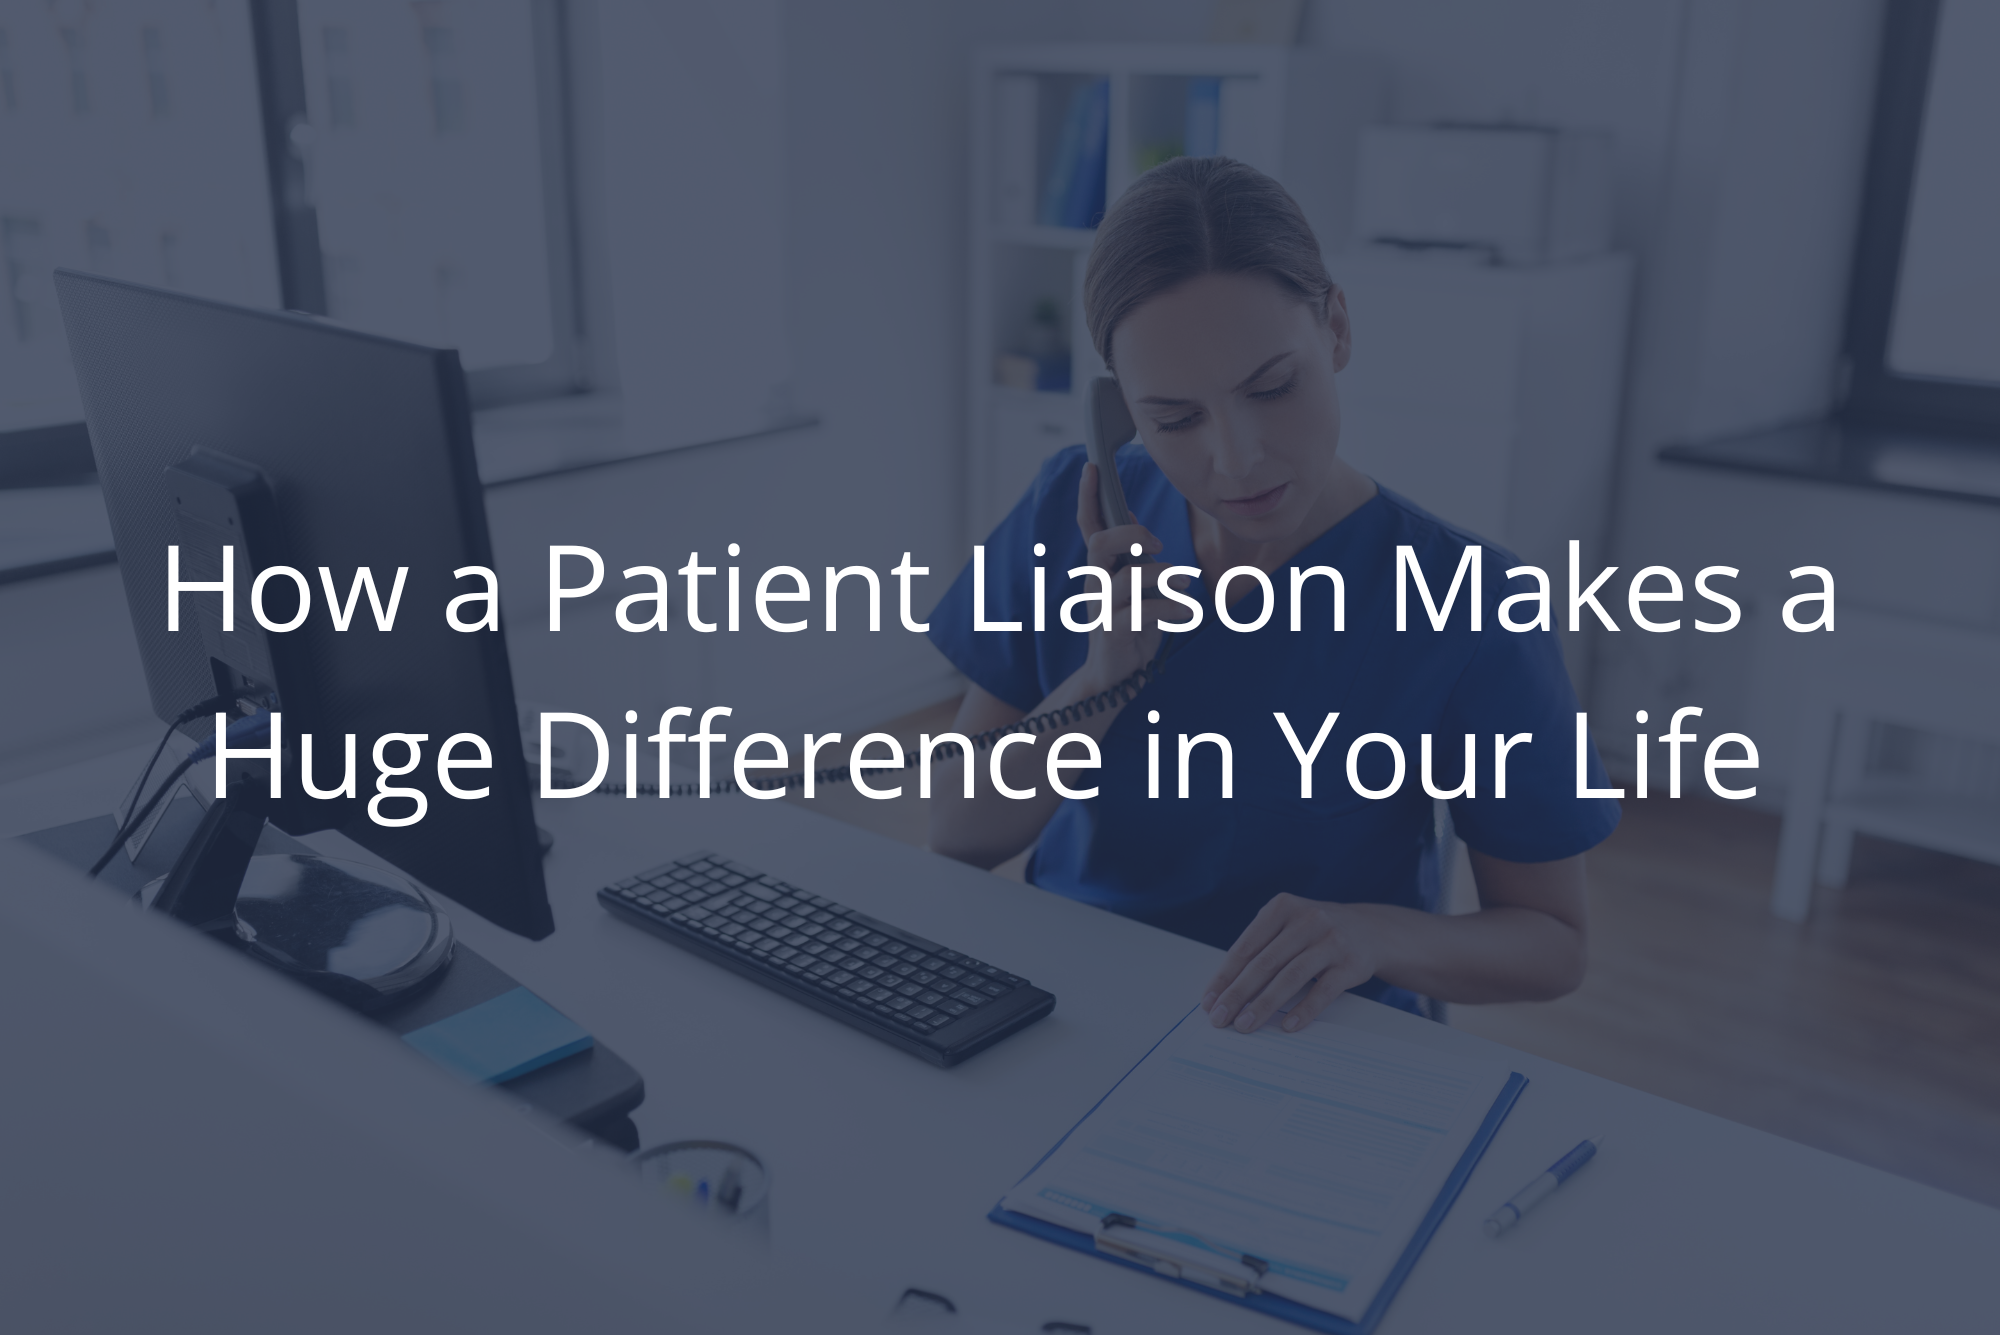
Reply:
x=1318, y=1153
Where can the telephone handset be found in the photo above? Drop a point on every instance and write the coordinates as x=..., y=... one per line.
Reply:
x=1109, y=425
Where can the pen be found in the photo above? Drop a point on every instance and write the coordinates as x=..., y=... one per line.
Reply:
x=1528, y=1197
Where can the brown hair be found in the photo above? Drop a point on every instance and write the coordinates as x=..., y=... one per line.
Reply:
x=1195, y=216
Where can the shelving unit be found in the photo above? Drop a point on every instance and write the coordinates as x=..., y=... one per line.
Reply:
x=1292, y=113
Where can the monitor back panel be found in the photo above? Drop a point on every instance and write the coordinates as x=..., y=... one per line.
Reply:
x=367, y=444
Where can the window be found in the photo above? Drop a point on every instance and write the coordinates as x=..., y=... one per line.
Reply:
x=400, y=166
x=1923, y=348
x=429, y=142
x=133, y=148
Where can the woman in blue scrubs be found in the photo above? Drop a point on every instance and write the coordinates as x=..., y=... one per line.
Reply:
x=1207, y=297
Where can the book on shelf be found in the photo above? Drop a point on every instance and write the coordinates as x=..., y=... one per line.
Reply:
x=1073, y=194
x=1202, y=132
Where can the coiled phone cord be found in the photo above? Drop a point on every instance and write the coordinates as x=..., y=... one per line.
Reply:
x=1115, y=696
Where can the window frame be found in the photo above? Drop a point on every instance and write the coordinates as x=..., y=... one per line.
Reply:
x=570, y=368
x=1875, y=394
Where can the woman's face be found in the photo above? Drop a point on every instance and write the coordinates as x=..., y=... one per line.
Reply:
x=1230, y=378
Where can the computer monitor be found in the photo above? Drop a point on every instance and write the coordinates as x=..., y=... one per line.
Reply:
x=364, y=447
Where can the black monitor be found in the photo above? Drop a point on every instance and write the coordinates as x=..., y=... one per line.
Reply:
x=358, y=450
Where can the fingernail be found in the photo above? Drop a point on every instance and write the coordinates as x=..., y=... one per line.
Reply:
x=1208, y=1002
x=1246, y=1021
x=1219, y=1017
x=1292, y=1023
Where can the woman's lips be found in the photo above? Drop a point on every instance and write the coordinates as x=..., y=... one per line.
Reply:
x=1261, y=504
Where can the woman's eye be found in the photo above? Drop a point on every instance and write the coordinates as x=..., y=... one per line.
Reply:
x=1179, y=423
x=1278, y=393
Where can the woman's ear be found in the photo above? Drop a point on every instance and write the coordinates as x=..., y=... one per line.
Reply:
x=1336, y=323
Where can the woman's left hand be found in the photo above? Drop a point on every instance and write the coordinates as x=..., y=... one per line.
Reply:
x=1289, y=943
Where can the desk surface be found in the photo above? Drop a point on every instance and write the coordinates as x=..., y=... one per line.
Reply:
x=883, y=1168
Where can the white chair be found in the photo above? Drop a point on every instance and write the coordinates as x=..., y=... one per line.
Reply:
x=1877, y=668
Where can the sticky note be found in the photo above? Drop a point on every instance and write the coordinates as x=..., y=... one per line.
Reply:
x=501, y=1038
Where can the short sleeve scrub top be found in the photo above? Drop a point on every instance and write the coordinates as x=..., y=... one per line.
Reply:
x=1203, y=865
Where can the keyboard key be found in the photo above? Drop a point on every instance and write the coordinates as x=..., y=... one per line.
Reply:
x=878, y=995
x=993, y=989
x=969, y=997
x=928, y=997
x=954, y=1007
x=910, y=990
x=783, y=953
x=840, y=978
x=924, y=976
x=900, y=1004
x=759, y=890
x=919, y=1012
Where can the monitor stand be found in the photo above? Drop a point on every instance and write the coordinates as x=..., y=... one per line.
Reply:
x=595, y=1091
x=360, y=934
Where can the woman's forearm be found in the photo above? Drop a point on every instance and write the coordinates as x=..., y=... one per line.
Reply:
x=1502, y=953
x=990, y=827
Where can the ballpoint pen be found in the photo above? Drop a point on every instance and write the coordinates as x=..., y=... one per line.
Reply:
x=1528, y=1197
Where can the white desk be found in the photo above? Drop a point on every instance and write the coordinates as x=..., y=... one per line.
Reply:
x=884, y=1168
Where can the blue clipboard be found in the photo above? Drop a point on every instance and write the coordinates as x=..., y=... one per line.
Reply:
x=1269, y=1303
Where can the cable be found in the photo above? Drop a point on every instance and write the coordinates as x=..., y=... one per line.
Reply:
x=1117, y=695
x=139, y=814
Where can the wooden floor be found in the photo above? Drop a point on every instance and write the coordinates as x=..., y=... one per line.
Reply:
x=1872, y=1032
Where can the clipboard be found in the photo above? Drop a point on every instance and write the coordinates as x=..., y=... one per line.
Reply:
x=1272, y=1304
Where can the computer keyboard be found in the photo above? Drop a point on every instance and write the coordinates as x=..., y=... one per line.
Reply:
x=898, y=987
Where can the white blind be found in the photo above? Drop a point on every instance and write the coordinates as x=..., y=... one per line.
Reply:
x=130, y=145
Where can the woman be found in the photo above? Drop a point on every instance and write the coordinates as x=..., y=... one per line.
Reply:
x=1207, y=298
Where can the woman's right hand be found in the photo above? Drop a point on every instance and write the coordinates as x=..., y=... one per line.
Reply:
x=1119, y=652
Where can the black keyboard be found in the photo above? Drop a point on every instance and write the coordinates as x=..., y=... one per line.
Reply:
x=936, y=1003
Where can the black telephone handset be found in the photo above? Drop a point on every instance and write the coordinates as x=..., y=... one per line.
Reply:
x=1108, y=426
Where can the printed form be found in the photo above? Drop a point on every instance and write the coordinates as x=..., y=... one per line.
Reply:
x=1318, y=1153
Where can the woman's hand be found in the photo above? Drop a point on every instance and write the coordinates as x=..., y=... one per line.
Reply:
x=1119, y=652
x=1289, y=943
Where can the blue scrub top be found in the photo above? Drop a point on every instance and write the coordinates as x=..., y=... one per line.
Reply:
x=1204, y=866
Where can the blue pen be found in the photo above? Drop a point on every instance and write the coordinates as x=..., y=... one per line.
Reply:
x=1528, y=1197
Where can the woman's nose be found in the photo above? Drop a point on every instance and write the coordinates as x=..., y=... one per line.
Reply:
x=1237, y=450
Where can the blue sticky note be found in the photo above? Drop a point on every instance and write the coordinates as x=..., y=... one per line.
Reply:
x=497, y=1040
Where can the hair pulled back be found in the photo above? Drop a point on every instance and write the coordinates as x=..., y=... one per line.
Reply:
x=1195, y=216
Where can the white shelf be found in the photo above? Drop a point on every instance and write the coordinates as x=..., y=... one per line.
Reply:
x=1055, y=238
